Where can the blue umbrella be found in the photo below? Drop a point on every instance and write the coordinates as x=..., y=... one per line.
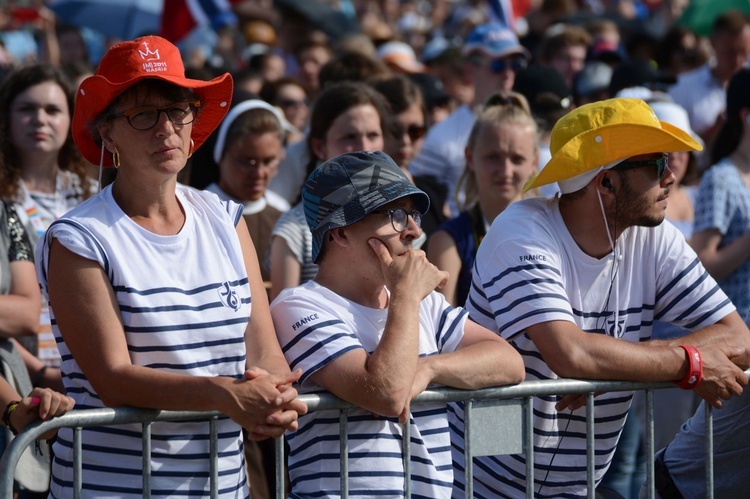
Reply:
x=125, y=19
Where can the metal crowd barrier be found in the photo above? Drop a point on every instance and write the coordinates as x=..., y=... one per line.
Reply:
x=498, y=421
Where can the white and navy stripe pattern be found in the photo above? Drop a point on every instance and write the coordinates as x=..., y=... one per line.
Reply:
x=539, y=274
x=185, y=305
x=316, y=326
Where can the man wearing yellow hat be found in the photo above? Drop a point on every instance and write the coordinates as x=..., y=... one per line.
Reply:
x=575, y=283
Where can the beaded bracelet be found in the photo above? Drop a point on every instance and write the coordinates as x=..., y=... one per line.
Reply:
x=6, y=416
x=695, y=368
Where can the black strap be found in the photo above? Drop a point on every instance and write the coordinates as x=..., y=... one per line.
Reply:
x=477, y=225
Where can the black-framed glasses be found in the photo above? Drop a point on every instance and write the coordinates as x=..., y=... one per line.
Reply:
x=415, y=132
x=145, y=117
x=661, y=164
x=400, y=218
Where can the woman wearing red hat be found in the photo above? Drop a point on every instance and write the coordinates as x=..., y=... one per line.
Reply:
x=151, y=286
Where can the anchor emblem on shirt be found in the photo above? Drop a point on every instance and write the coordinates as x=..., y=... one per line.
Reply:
x=228, y=296
x=620, y=328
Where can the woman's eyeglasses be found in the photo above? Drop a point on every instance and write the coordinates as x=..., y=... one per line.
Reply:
x=146, y=117
x=415, y=132
x=661, y=164
x=400, y=218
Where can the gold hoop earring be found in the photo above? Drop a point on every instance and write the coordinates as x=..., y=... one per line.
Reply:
x=192, y=148
x=116, y=158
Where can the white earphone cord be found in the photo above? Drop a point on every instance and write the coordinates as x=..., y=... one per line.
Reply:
x=615, y=259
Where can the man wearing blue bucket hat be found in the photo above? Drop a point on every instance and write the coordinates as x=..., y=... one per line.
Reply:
x=576, y=282
x=371, y=329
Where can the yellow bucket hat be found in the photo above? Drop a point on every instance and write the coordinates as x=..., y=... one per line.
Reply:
x=605, y=132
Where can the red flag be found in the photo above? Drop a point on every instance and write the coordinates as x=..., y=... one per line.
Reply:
x=180, y=17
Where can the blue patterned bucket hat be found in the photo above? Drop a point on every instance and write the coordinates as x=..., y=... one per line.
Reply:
x=345, y=189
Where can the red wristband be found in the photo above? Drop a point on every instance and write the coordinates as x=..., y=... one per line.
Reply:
x=695, y=368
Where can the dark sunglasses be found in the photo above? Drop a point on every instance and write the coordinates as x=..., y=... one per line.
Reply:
x=293, y=103
x=517, y=64
x=415, y=132
x=661, y=164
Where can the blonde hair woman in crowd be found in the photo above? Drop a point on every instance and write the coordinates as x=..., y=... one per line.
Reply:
x=501, y=155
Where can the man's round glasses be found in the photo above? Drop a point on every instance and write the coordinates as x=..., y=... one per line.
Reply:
x=400, y=218
x=146, y=117
x=661, y=164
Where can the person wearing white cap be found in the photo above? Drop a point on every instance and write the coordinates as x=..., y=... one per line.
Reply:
x=493, y=56
x=575, y=282
x=248, y=150
x=684, y=166
x=400, y=58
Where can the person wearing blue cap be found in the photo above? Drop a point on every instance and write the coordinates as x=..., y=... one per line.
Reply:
x=493, y=56
x=372, y=330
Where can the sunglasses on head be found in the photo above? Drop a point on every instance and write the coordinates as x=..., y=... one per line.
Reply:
x=661, y=164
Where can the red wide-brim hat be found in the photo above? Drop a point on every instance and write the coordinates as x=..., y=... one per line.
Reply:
x=127, y=63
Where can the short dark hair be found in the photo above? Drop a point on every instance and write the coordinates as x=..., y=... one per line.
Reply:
x=568, y=36
x=400, y=92
x=351, y=66
x=336, y=99
x=732, y=21
x=270, y=90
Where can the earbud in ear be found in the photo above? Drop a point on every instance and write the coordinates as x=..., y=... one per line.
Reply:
x=606, y=183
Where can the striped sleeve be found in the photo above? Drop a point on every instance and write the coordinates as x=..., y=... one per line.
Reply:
x=686, y=294
x=291, y=227
x=518, y=285
x=76, y=238
x=448, y=325
x=311, y=336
